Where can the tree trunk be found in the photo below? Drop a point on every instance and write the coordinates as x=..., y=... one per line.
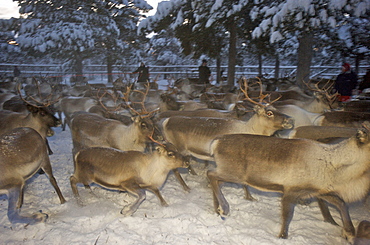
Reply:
x=259, y=64
x=218, y=69
x=79, y=68
x=305, y=53
x=277, y=66
x=357, y=63
x=109, y=68
x=232, y=53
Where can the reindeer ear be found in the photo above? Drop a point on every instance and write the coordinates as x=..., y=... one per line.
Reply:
x=362, y=136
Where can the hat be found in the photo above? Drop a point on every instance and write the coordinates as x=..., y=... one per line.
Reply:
x=346, y=66
x=204, y=61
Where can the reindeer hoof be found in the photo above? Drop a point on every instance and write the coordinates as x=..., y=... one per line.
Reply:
x=349, y=236
x=164, y=204
x=127, y=211
x=223, y=213
x=39, y=217
x=283, y=235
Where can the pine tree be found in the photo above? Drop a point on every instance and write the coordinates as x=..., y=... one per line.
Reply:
x=305, y=19
x=73, y=30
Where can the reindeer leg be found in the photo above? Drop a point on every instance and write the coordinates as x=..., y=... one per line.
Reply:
x=222, y=207
x=134, y=189
x=190, y=168
x=247, y=194
x=14, y=216
x=64, y=125
x=49, y=172
x=73, y=181
x=49, y=149
x=325, y=212
x=348, y=228
x=158, y=194
x=181, y=180
x=287, y=203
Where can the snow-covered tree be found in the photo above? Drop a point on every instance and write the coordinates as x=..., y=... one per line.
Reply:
x=9, y=49
x=165, y=49
x=74, y=30
x=353, y=35
x=304, y=19
x=202, y=26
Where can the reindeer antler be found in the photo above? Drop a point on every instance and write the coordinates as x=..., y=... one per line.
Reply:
x=114, y=97
x=261, y=97
x=144, y=112
x=38, y=104
x=324, y=90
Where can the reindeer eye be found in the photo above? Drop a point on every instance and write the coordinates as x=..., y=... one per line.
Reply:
x=170, y=154
x=42, y=113
x=143, y=125
x=269, y=113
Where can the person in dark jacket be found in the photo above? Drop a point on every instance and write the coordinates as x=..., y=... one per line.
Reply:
x=143, y=73
x=16, y=71
x=204, y=73
x=346, y=82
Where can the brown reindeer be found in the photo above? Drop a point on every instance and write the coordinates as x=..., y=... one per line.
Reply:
x=131, y=171
x=40, y=117
x=337, y=173
x=22, y=153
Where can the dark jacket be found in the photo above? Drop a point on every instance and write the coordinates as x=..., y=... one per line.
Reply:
x=16, y=72
x=143, y=74
x=204, y=73
x=345, y=83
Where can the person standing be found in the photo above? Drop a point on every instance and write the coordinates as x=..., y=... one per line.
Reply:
x=345, y=82
x=204, y=73
x=16, y=71
x=143, y=73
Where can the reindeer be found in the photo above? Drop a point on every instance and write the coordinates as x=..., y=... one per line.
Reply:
x=298, y=168
x=40, y=117
x=320, y=102
x=69, y=105
x=131, y=171
x=182, y=131
x=89, y=130
x=193, y=135
x=22, y=153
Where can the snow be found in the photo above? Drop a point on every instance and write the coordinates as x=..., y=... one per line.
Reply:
x=189, y=218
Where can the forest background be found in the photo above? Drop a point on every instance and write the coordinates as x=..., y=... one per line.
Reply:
x=226, y=32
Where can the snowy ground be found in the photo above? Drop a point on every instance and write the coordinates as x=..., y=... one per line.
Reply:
x=189, y=219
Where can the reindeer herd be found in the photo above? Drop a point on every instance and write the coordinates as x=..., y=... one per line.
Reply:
x=300, y=142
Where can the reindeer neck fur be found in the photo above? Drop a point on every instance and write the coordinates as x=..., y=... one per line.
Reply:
x=352, y=171
x=128, y=137
x=29, y=121
x=155, y=172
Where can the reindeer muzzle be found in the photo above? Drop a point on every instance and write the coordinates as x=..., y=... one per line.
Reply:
x=288, y=123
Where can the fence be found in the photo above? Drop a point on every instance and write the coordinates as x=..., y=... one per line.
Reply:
x=98, y=72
